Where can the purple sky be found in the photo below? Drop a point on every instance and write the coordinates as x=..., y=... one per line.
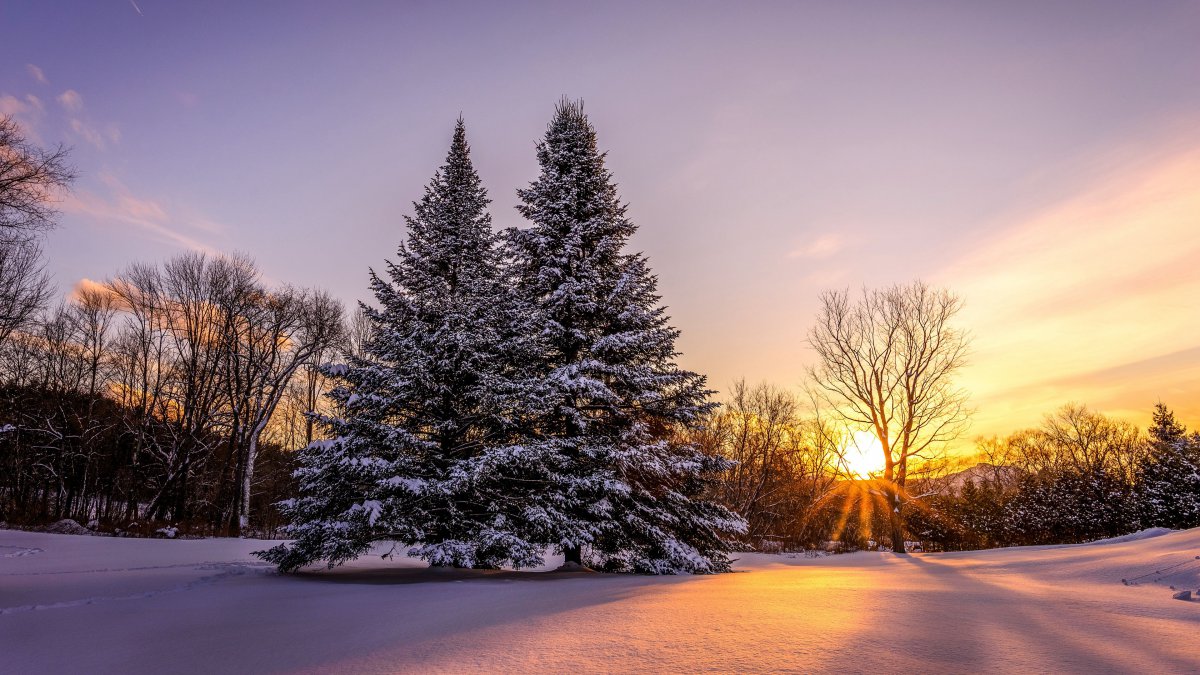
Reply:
x=1041, y=158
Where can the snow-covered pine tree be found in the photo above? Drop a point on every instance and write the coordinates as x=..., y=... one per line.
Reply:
x=618, y=479
x=1168, y=481
x=438, y=386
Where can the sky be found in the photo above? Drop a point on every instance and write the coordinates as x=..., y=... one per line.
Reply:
x=1041, y=159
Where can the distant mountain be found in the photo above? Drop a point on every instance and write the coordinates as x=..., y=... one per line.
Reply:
x=978, y=474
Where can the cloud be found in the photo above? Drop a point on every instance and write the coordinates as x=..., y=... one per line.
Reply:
x=85, y=285
x=36, y=73
x=12, y=106
x=101, y=138
x=121, y=206
x=1106, y=277
x=71, y=100
x=87, y=133
x=97, y=137
x=27, y=112
x=823, y=246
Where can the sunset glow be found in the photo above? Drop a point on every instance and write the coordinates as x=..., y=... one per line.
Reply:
x=864, y=455
x=590, y=337
x=1052, y=213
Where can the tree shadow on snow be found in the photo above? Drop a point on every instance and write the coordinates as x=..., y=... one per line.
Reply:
x=992, y=614
x=421, y=575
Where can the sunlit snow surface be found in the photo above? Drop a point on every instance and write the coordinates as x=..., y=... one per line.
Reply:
x=73, y=604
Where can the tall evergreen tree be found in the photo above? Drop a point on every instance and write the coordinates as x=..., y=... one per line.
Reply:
x=438, y=387
x=1168, y=481
x=617, y=479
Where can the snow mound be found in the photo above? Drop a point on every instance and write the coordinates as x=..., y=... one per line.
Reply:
x=1148, y=533
x=573, y=567
x=66, y=526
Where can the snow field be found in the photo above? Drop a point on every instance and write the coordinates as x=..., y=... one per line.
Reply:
x=99, y=605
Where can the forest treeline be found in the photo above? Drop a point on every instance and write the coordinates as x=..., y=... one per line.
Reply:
x=512, y=391
x=168, y=394
x=1079, y=476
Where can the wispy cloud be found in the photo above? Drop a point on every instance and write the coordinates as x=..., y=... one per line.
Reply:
x=121, y=206
x=36, y=73
x=12, y=106
x=26, y=111
x=71, y=100
x=823, y=246
x=29, y=111
x=1108, y=277
x=100, y=137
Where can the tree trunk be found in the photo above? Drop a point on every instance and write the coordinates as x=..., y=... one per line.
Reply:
x=247, y=481
x=573, y=554
x=896, y=519
x=251, y=458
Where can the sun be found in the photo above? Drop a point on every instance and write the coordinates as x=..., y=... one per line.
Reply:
x=863, y=454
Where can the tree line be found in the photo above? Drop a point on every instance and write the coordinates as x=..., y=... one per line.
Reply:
x=168, y=394
x=156, y=395
x=1078, y=477
x=513, y=391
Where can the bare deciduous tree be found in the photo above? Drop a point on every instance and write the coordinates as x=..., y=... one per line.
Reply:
x=94, y=311
x=157, y=396
x=280, y=333
x=1078, y=439
x=30, y=180
x=24, y=285
x=358, y=333
x=886, y=362
x=784, y=467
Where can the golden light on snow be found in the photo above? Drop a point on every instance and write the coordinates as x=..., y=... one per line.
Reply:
x=863, y=454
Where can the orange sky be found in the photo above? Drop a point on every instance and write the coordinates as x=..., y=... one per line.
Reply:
x=1094, y=300
x=1093, y=297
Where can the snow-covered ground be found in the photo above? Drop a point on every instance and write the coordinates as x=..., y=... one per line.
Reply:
x=73, y=604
